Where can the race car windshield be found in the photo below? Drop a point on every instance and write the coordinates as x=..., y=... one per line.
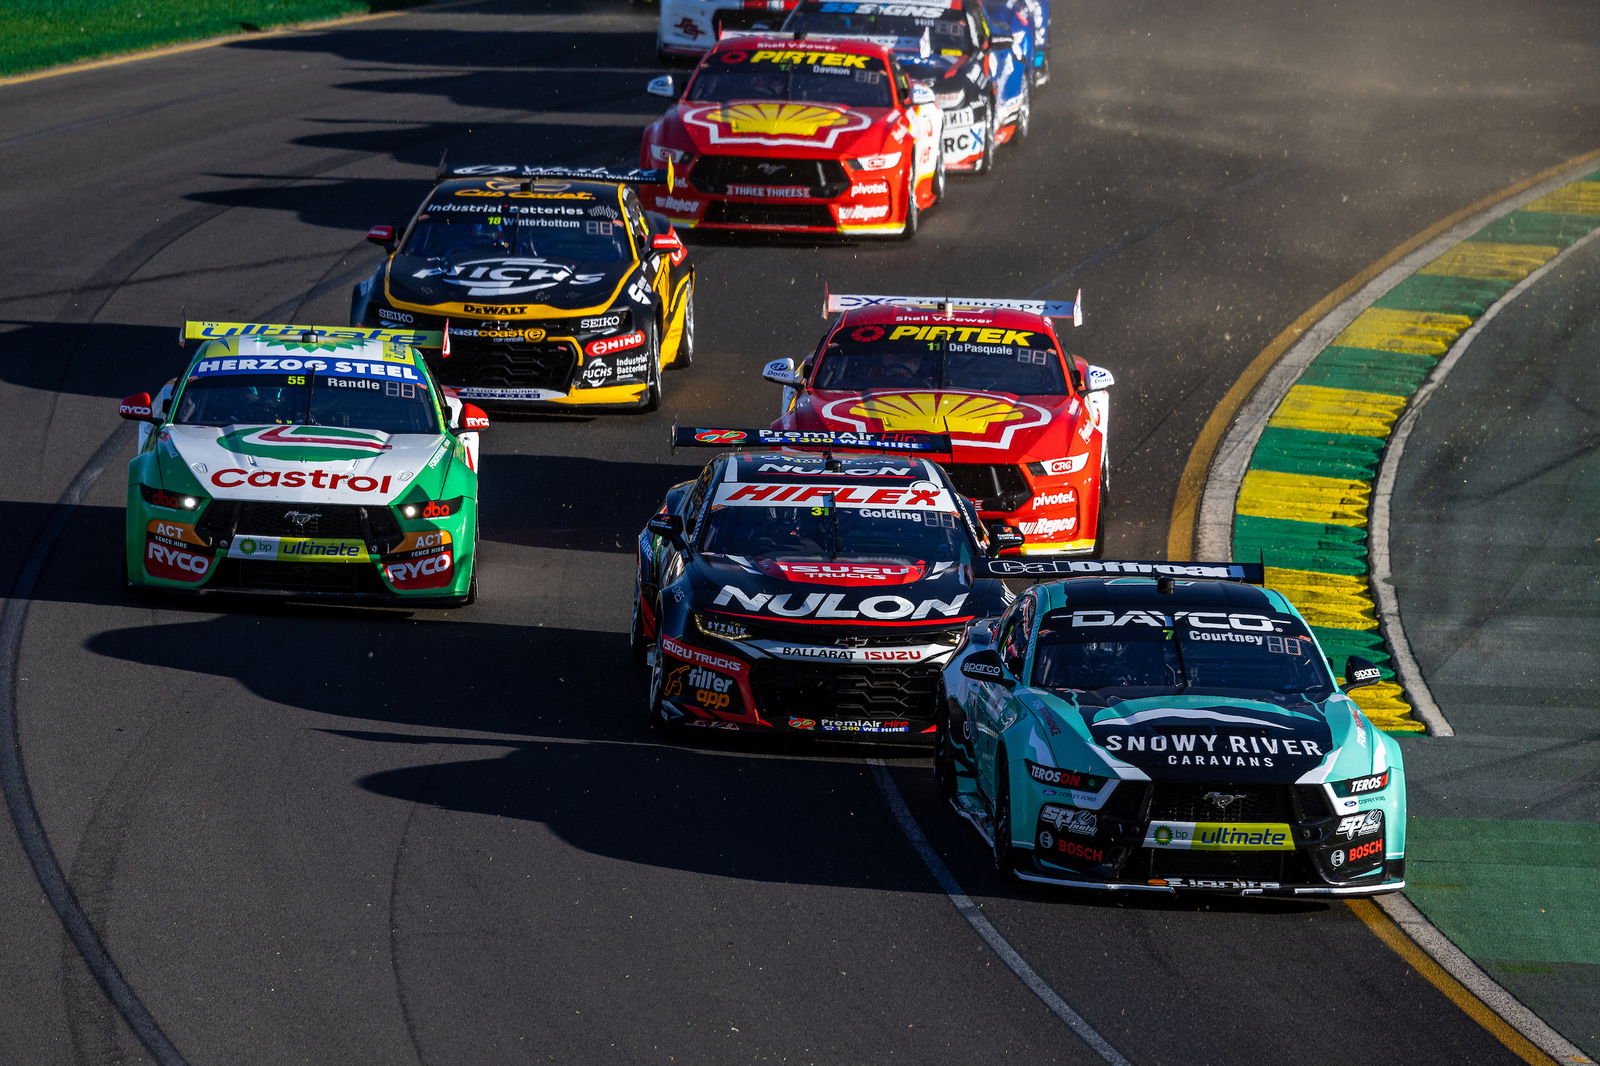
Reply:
x=563, y=233
x=947, y=28
x=1212, y=657
x=877, y=533
x=862, y=83
x=1019, y=362
x=347, y=402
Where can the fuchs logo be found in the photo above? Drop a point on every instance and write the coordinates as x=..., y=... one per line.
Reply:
x=776, y=123
x=831, y=605
x=975, y=419
x=596, y=372
x=508, y=277
x=304, y=442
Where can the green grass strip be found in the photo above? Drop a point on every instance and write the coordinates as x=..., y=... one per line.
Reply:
x=36, y=34
x=1509, y=889
x=1339, y=644
x=1368, y=370
x=1291, y=545
x=1444, y=295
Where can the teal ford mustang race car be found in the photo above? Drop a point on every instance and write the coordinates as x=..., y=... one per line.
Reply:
x=307, y=461
x=1165, y=727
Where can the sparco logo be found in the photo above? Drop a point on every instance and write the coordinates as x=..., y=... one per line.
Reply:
x=832, y=605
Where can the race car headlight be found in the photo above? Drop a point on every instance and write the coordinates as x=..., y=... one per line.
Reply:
x=415, y=509
x=722, y=628
x=1056, y=467
x=887, y=161
x=676, y=156
x=177, y=501
x=1361, y=786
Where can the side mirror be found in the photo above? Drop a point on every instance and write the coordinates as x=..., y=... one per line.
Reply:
x=138, y=408
x=1100, y=379
x=667, y=525
x=383, y=236
x=985, y=666
x=921, y=94
x=781, y=372
x=670, y=243
x=471, y=419
x=665, y=86
x=1359, y=672
x=1003, y=537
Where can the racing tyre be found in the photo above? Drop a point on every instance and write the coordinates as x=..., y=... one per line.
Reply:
x=1024, y=120
x=938, y=177
x=944, y=756
x=686, y=339
x=638, y=647
x=658, y=720
x=913, y=213
x=1005, y=855
x=652, y=392
x=1102, y=508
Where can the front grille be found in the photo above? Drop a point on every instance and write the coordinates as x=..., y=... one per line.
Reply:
x=996, y=486
x=1227, y=865
x=821, y=178
x=846, y=690
x=225, y=519
x=345, y=579
x=1185, y=801
x=481, y=365
x=871, y=636
x=794, y=216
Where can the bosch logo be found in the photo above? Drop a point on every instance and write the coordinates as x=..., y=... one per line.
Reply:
x=1362, y=851
x=1080, y=851
x=608, y=345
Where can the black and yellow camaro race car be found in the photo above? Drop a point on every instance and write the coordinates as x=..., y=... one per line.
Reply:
x=552, y=286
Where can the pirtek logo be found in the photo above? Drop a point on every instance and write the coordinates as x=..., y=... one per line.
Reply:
x=830, y=605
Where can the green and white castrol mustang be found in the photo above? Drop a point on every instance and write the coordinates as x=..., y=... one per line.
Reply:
x=307, y=461
x=1166, y=727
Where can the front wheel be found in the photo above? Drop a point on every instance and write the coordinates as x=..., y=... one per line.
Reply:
x=985, y=161
x=657, y=712
x=944, y=757
x=638, y=646
x=1004, y=853
x=652, y=392
x=685, y=356
x=913, y=213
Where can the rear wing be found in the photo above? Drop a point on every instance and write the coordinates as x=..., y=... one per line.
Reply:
x=1043, y=569
x=621, y=175
x=920, y=44
x=211, y=331
x=697, y=437
x=833, y=302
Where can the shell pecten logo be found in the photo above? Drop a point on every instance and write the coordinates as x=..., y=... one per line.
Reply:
x=776, y=123
x=975, y=419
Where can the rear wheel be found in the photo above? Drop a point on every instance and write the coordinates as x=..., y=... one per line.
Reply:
x=944, y=756
x=938, y=176
x=985, y=161
x=1024, y=119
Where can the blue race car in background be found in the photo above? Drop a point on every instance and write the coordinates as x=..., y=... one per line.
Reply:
x=1164, y=727
x=1028, y=24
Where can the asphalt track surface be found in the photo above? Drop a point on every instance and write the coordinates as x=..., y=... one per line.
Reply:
x=362, y=837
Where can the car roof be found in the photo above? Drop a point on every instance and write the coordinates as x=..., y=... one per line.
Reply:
x=844, y=45
x=1113, y=593
x=366, y=350
x=798, y=468
x=527, y=188
x=893, y=314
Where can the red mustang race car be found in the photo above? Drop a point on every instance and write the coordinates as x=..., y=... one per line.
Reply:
x=1027, y=422
x=819, y=136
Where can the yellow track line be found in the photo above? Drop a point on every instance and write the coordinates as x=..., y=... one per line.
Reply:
x=194, y=46
x=1385, y=930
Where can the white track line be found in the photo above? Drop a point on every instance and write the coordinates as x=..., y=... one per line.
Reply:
x=981, y=925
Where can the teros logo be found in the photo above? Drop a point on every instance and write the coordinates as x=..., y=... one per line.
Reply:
x=975, y=419
x=776, y=123
x=305, y=442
